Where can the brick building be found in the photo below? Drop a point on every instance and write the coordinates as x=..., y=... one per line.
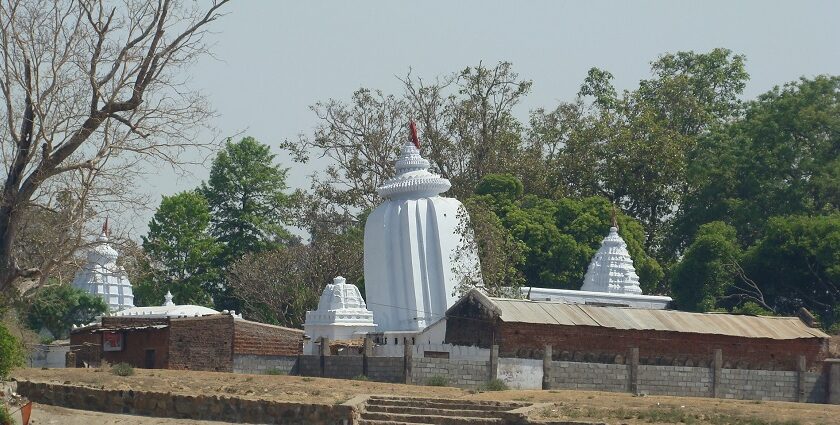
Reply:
x=522, y=328
x=214, y=342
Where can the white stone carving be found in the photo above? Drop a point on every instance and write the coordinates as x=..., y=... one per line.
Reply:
x=341, y=315
x=611, y=269
x=102, y=276
x=410, y=247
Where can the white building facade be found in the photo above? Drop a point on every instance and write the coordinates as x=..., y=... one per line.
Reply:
x=414, y=258
x=341, y=315
x=103, y=277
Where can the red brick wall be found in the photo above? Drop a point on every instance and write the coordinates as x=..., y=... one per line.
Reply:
x=201, y=343
x=135, y=344
x=655, y=347
x=87, y=346
x=266, y=340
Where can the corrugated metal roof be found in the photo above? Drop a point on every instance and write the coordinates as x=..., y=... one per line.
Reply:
x=556, y=313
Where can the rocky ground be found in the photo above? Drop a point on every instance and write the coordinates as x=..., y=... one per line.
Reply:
x=612, y=408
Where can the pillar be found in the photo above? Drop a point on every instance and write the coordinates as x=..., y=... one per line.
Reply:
x=367, y=352
x=801, y=368
x=408, y=359
x=633, y=370
x=717, y=367
x=494, y=362
x=546, y=381
x=833, y=366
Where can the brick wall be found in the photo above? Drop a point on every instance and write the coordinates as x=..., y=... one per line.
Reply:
x=266, y=340
x=87, y=346
x=588, y=376
x=676, y=380
x=596, y=344
x=458, y=373
x=136, y=344
x=201, y=343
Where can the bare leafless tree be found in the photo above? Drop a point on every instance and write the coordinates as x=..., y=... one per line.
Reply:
x=90, y=89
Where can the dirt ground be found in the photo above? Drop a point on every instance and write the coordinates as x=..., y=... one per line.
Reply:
x=43, y=414
x=612, y=408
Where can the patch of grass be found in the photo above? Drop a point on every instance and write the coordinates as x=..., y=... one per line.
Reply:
x=122, y=369
x=5, y=415
x=656, y=415
x=437, y=381
x=307, y=379
x=361, y=378
x=495, y=384
x=275, y=371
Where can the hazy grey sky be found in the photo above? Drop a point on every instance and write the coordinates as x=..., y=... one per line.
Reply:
x=274, y=59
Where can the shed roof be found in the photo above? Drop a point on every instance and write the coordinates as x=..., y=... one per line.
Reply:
x=558, y=313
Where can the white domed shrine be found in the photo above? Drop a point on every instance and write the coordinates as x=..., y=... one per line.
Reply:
x=611, y=269
x=170, y=309
x=341, y=314
x=102, y=276
x=410, y=243
x=610, y=279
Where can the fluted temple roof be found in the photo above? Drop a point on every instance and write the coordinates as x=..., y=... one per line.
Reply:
x=611, y=269
x=101, y=275
x=413, y=178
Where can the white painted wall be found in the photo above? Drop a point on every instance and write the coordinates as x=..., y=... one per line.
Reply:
x=522, y=374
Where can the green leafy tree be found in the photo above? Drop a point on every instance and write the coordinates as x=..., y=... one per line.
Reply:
x=11, y=352
x=797, y=264
x=180, y=253
x=247, y=201
x=707, y=270
x=632, y=148
x=57, y=308
x=558, y=238
x=782, y=158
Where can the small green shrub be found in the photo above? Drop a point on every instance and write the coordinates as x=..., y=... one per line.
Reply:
x=307, y=379
x=11, y=352
x=437, y=381
x=361, y=378
x=122, y=369
x=5, y=415
x=275, y=371
x=495, y=384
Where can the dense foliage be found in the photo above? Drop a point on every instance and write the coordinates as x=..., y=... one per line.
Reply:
x=11, y=352
x=57, y=308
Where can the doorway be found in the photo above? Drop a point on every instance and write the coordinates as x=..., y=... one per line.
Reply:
x=149, y=363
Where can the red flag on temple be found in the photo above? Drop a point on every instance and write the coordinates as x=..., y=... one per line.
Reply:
x=413, y=127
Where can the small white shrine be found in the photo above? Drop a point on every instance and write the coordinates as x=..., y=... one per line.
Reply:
x=410, y=247
x=610, y=279
x=102, y=276
x=341, y=315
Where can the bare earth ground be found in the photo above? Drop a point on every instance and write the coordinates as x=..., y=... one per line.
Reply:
x=612, y=408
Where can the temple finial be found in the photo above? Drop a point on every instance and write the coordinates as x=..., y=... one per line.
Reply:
x=105, y=229
x=614, y=220
x=412, y=127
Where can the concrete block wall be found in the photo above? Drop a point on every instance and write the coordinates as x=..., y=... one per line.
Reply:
x=260, y=365
x=343, y=367
x=815, y=386
x=459, y=373
x=675, y=380
x=759, y=384
x=309, y=365
x=386, y=369
x=588, y=376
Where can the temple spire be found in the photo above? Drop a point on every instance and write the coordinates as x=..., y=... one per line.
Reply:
x=412, y=127
x=105, y=229
x=614, y=220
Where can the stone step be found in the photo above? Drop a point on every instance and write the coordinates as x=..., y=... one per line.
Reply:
x=433, y=419
x=444, y=403
x=412, y=410
x=377, y=422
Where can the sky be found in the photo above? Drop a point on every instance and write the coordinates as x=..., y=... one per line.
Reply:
x=273, y=59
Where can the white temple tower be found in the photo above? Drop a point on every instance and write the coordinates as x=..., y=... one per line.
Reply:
x=410, y=244
x=102, y=276
x=611, y=269
x=341, y=315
